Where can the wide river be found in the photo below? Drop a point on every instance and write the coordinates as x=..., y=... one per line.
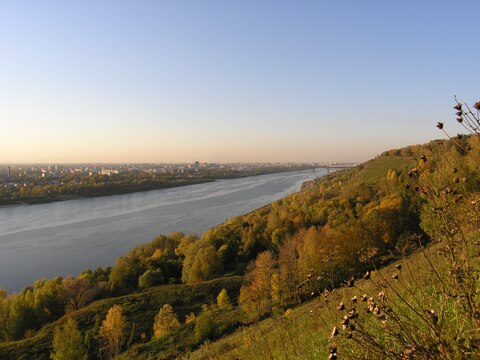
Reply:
x=66, y=237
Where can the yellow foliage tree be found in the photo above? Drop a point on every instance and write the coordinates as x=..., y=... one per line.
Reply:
x=165, y=322
x=190, y=318
x=112, y=331
x=222, y=299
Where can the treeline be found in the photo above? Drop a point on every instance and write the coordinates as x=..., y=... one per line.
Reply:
x=347, y=223
x=92, y=186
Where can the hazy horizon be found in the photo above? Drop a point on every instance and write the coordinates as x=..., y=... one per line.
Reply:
x=224, y=82
x=172, y=163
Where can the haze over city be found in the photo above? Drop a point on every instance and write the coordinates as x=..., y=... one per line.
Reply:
x=229, y=81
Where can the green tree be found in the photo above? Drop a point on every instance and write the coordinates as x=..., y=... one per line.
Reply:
x=68, y=342
x=150, y=278
x=201, y=262
x=205, y=326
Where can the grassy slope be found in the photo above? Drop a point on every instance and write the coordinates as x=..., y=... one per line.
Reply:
x=303, y=332
x=139, y=308
x=371, y=171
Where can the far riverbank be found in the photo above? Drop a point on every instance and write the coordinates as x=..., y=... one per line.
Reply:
x=108, y=188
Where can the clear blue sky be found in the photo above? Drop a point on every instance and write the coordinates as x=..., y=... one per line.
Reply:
x=156, y=81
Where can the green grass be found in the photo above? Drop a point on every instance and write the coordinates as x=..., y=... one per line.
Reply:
x=305, y=332
x=139, y=308
x=373, y=170
x=181, y=342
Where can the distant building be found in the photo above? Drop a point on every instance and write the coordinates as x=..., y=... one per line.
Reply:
x=109, y=172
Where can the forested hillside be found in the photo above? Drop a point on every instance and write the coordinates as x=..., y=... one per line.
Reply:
x=346, y=224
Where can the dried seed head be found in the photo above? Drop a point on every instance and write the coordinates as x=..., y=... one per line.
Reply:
x=395, y=276
x=364, y=297
x=458, y=107
x=333, y=349
x=381, y=296
x=351, y=282
x=477, y=105
x=459, y=113
x=454, y=170
x=432, y=316
x=353, y=299
x=408, y=351
x=341, y=306
x=333, y=356
x=407, y=186
x=334, y=331
x=398, y=266
x=349, y=335
x=459, y=136
x=413, y=172
x=424, y=158
x=440, y=125
x=367, y=275
x=460, y=119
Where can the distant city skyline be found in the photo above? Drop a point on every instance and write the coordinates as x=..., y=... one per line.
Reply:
x=230, y=81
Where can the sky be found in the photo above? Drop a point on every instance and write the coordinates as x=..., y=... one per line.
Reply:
x=230, y=81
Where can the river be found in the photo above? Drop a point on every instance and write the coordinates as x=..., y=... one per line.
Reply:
x=66, y=237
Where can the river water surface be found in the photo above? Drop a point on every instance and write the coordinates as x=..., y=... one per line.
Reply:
x=66, y=237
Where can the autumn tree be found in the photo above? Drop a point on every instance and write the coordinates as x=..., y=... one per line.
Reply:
x=78, y=292
x=165, y=322
x=222, y=299
x=288, y=270
x=68, y=342
x=112, y=331
x=190, y=318
x=311, y=254
x=258, y=294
